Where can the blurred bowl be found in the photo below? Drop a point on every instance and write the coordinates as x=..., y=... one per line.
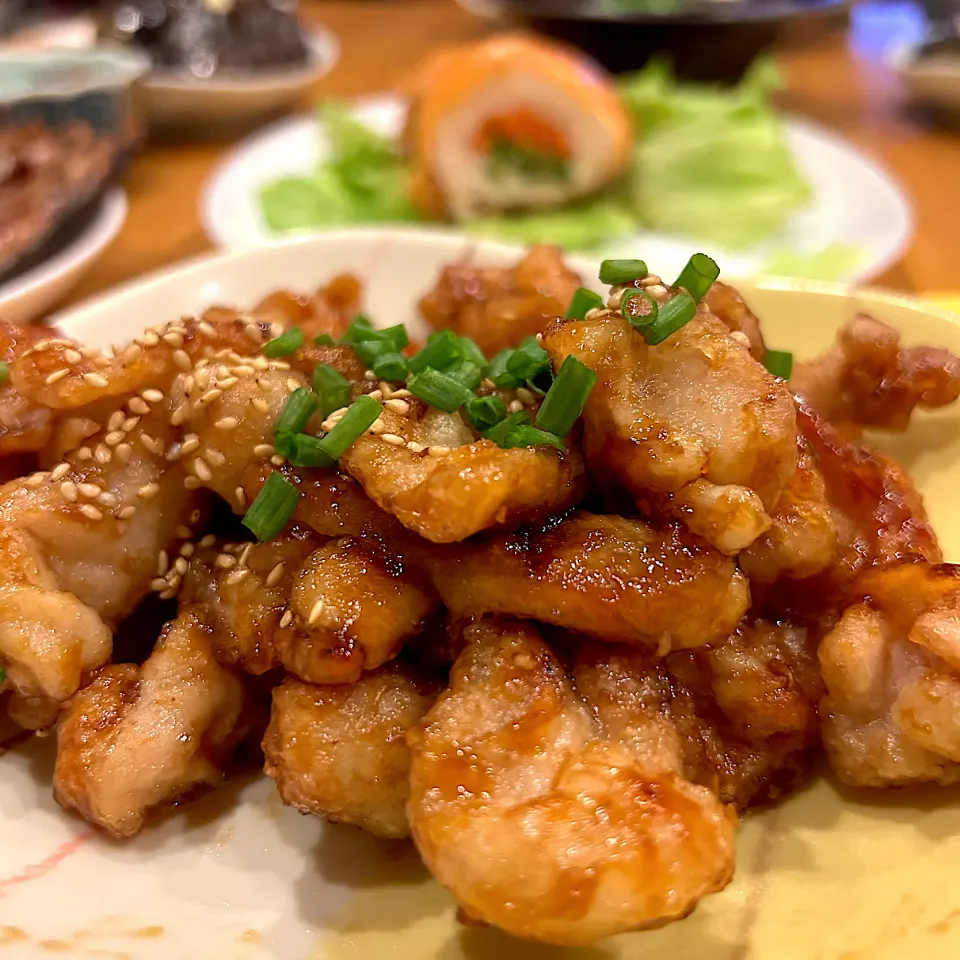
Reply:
x=179, y=100
x=707, y=40
x=931, y=78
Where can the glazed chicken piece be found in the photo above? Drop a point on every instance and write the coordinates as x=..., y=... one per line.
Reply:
x=497, y=307
x=329, y=310
x=611, y=577
x=693, y=428
x=739, y=718
x=25, y=425
x=891, y=666
x=870, y=379
x=539, y=826
x=340, y=751
x=138, y=738
x=80, y=547
x=726, y=304
x=429, y=470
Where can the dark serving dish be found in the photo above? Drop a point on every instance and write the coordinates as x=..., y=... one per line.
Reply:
x=706, y=39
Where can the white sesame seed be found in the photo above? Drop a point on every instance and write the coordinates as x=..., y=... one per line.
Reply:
x=163, y=562
x=293, y=384
x=129, y=424
x=245, y=554
x=182, y=359
x=277, y=460
x=89, y=490
x=208, y=540
x=138, y=406
x=107, y=499
x=95, y=379
x=131, y=353
x=72, y=356
x=91, y=512
x=57, y=375
x=150, y=339
x=202, y=470
x=241, y=496
x=173, y=338
x=235, y=577
x=415, y=447
x=112, y=439
x=181, y=565
x=116, y=420
x=375, y=395
x=370, y=376
x=148, y=491
x=68, y=489
x=227, y=423
x=273, y=577
x=393, y=439
x=102, y=454
x=315, y=611
x=377, y=427
x=386, y=390
x=191, y=483
x=191, y=443
x=126, y=513
x=183, y=531
x=402, y=394
x=526, y=396
x=514, y=406
x=278, y=365
x=180, y=414
x=225, y=561
x=438, y=451
x=34, y=480
x=261, y=406
x=214, y=456
x=263, y=450
x=151, y=443
x=206, y=328
x=187, y=549
x=59, y=472
x=152, y=395
x=252, y=330
x=84, y=453
x=158, y=583
x=263, y=385
x=209, y=397
x=398, y=406
x=286, y=619
x=123, y=452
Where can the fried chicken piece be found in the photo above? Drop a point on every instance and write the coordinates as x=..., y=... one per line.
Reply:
x=891, y=666
x=140, y=737
x=340, y=751
x=539, y=826
x=739, y=718
x=802, y=539
x=611, y=577
x=329, y=310
x=450, y=485
x=25, y=424
x=352, y=605
x=693, y=428
x=726, y=304
x=498, y=306
x=869, y=379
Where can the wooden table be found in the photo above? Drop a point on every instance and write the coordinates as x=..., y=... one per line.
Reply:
x=382, y=39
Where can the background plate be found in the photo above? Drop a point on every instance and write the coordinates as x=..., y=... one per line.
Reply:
x=855, y=201
x=236, y=876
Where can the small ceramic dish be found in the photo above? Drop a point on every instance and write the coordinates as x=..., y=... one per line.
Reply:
x=176, y=99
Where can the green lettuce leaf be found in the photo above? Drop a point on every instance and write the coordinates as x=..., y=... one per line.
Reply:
x=833, y=262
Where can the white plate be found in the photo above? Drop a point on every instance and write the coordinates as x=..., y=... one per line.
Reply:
x=28, y=295
x=174, y=100
x=237, y=876
x=855, y=201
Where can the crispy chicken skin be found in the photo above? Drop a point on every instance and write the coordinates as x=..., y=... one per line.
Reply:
x=538, y=825
x=891, y=666
x=611, y=577
x=693, y=428
x=498, y=306
x=739, y=718
x=869, y=379
x=452, y=485
x=340, y=751
x=328, y=310
x=140, y=737
x=726, y=304
x=25, y=424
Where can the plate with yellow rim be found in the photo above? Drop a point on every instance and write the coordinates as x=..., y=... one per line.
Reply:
x=828, y=873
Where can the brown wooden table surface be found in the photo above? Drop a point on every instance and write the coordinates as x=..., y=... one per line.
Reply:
x=382, y=39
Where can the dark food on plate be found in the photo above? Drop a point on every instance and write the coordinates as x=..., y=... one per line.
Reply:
x=616, y=565
x=206, y=37
x=46, y=174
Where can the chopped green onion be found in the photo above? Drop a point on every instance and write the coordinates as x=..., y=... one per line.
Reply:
x=302, y=450
x=273, y=508
x=527, y=436
x=358, y=329
x=541, y=381
x=622, y=271
x=288, y=342
x=439, y=390
x=443, y=349
x=390, y=365
x=397, y=335
x=473, y=354
x=697, y=276
x=485, y=412
x=363, y=411
x=674, y=314
x=467, y=373
x=369, y=351
x=566, y=399
x=324, y=340
x=633, y=301
x=583, y=301
x=528, y=359
x=332, y=388
x=498, y=370
x=4, y=373
x=301, y=405
x=499, y=432
x=779, y=363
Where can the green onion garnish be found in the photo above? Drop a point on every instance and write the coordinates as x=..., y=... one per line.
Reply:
x=369, y=351
x=467, y=373
x=697, y=276
x=439, y=390
x=273, y=508
x=443, y=349
x=302, y=450
x=567, y=396
x=541, y=381
x=779, y=363
x=485, y=412
x=638, y=307
x=674, y=314
x=332, y=388
x=390, y=365
x=324, y=340
x=528, y=359
x=4, y=376
x=363, y=411
x=473, y=354
x=288, y=342
x=622, y=271
x=527, y=436
x=498, y=370
x=583, y=300
x=357, y=329
x=499, y=432
x=301, y=405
